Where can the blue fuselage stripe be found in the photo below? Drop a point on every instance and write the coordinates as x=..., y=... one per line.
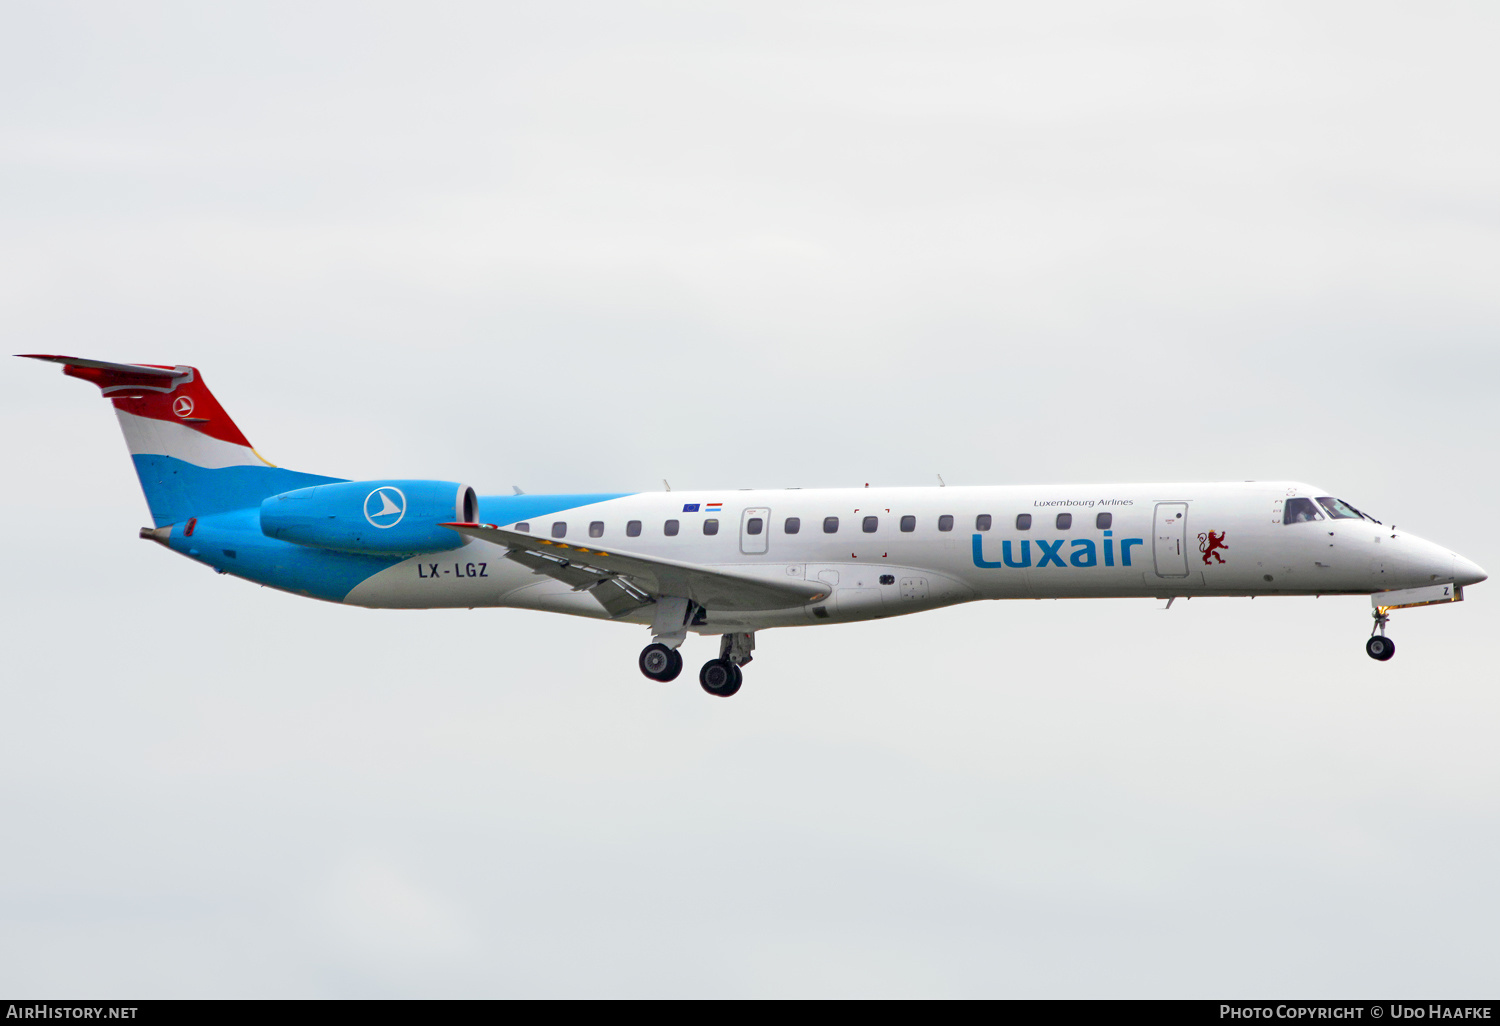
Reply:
x=231, y=540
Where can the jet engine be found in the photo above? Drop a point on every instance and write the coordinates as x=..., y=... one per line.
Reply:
x=385, y=517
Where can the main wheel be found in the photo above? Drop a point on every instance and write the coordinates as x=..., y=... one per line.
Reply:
x=720, y=677
x=1380, y=647
x=660, y=662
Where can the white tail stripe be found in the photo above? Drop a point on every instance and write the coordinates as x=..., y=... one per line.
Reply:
x=146, y=436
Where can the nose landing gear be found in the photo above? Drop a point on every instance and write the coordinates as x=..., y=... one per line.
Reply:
x=1379, y=646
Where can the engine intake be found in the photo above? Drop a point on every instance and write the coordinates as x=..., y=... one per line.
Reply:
x=385, y=517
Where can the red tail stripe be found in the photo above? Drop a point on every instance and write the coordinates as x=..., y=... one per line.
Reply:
x=172, y=394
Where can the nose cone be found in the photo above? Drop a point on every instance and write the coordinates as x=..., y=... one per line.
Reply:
x=1466, y=572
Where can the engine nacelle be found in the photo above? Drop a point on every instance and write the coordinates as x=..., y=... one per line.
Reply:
x=385, y=517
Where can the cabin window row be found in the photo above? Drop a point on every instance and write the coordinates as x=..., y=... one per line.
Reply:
x=982, y=522
x=793, y=525
x=670, y=528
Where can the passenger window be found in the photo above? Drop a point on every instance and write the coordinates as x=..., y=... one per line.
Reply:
x=1104, y=521
x=1300, y=511
x=945, y=522
x=908, y=524
x=670, y=528
x=754, y=525
x=830, y=525
x=560, y=529
x=792, y=525
x=870, y=524
x=1337, y=508
x=710, y=526
x=1065, y=521
x=633, y=529
x=523, y=526
x=596, y=529
x=982, y=522
x=1023, y=521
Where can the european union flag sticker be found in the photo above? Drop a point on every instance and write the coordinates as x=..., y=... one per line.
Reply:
x=690, y=507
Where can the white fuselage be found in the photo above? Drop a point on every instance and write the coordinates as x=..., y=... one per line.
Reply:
x=1161, y=540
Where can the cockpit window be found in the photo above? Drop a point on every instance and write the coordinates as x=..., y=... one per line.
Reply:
x=1300, y=511
x=1338, y=509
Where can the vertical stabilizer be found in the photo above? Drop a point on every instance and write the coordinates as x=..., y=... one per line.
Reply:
x=191, y=458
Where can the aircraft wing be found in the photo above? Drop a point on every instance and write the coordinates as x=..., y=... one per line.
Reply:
x=623, y=581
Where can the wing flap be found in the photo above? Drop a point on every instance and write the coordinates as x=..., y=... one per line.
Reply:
x=653, y=576
x=618, y=597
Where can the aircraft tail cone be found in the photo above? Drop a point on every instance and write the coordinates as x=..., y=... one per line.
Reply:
x=157, y=534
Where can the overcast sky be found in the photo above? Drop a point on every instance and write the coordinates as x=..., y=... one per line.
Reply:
x=583, y=247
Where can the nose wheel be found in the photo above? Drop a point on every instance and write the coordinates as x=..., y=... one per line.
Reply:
x=1379, y=646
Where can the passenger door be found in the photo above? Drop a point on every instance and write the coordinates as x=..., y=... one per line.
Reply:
x=1170, y=533
x=755, y=531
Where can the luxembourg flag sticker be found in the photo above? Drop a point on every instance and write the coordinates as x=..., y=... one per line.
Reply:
x=713, y=507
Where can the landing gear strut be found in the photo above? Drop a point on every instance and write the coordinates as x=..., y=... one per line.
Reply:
x=1379, y=646
x=660, y=662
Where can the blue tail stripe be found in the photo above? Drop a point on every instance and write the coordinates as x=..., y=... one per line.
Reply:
x=176, y=490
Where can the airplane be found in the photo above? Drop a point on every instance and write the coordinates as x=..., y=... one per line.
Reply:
x=734, y=562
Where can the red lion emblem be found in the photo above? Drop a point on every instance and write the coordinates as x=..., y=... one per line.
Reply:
x=1209, y=544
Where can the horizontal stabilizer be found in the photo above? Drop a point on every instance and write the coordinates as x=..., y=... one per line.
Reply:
x=150, y=395
x=150, y=372
x=715, y=589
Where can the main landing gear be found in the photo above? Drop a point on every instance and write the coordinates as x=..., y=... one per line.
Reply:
x=660, y=662
x=722, y=676
x=719, y=677
x=1379, y=646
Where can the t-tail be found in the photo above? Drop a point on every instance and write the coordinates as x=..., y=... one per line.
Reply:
x=191, y=459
